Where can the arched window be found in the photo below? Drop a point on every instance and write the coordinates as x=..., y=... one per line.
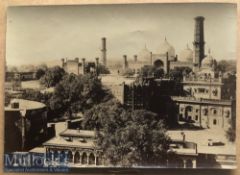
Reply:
x=77, y=157
x=214, y=111
x=214, y=121
x=91, y=159
x=84, y=158
x=196, y=117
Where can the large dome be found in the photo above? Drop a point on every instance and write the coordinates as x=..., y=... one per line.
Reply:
x=208, y=61
x=145, y=55
x=166, y=48
x=186, y=55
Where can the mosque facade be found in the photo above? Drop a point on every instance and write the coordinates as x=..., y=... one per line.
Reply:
x=203, y=103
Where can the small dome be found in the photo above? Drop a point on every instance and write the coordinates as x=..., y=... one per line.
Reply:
x=167, y=48
x=145, y=54
x=186, y=55
x=208, y=61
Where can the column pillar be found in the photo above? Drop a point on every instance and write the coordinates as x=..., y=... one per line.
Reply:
x=88, y=158
x=73, y=157
x=66, y=157
x=52, y=156
x=80, y=158
x=184, y=163
x=194, y=162
x=95, y=156
x=59, y=156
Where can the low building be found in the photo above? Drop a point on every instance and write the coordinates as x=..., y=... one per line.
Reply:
x=25, y=125
x=78, y=145
x=79, y=68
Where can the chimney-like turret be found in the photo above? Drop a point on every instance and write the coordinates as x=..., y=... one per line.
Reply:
x=135, y=58
x=125, y=62
x=198, y=43
x=83, y=66
x=63, y=61
x=104, y=52
x=97, y=66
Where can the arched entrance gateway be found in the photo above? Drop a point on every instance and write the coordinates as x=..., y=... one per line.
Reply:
x=158, y=63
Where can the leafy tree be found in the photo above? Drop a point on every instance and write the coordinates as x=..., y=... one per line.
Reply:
x=157, y=72
x=128, y=138
x=226, y=66
x=178, y=72
x=103, y=69
x=52, y=76
x=229, y=87
x=231, y=132
x=40, y=72
x=76, y=93
x=35, y=95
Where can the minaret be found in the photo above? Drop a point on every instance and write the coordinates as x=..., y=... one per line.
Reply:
x=97, y=65
x=198, y=43
x=63, y=62
x=135, y=58
x=83, y=65
x=104, y=52
x=125, y=62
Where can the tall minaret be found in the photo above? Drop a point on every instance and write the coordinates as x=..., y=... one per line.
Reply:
x=125, y=62
x=104, y=52
x=198, y=43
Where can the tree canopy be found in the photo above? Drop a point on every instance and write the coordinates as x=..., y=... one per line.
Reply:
x=128, y=138
x=75, y=93
x=157, y=72
x=226, y=66
x=103, y=69
x=52, y=76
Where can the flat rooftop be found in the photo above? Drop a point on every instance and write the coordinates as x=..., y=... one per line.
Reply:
x=78, y=133
x=200, y=137
x=62, y=142
x=115, y=79
x=24, y=104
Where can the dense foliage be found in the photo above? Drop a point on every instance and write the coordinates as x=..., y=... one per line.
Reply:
x=76, y=93
x=52, y=76
x=103, y=69
x=128, y=138
x=152, y=71
x=226, y=66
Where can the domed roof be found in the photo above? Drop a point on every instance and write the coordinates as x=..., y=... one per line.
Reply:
x=144, y=54
x=208, y=61
x=166, y=48
x=186, y=55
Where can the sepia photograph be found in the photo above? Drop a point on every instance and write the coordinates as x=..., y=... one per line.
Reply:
x=120, y=86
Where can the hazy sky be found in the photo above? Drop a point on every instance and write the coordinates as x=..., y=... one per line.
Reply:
x=47, y=34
